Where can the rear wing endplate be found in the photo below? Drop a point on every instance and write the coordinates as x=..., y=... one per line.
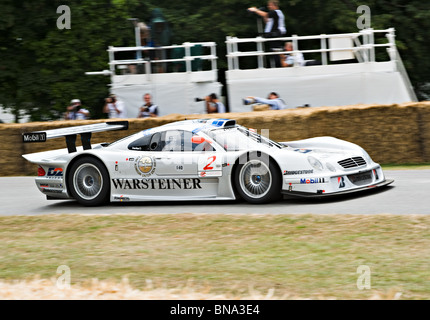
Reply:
x=72, y=132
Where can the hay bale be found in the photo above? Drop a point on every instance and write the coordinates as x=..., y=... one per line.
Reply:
x=389, y=133
x=260, y=107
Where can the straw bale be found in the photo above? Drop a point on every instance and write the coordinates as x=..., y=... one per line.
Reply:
x=389, y=133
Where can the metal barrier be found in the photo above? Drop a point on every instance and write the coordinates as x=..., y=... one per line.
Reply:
x=184, y=50
x=363, y=51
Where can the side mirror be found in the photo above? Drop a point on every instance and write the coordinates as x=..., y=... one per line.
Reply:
x=197, y=139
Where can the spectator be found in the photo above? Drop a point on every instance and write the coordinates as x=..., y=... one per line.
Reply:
x=145, y=36
x=76, y=112
x=145, y=41
x=274, y=27
x=148, y=109
x=273, y=100
x=114, y=107
x=160, y=36
x=213, y=105
x=289, y=59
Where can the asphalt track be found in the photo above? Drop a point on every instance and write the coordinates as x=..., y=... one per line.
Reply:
x=409, y=194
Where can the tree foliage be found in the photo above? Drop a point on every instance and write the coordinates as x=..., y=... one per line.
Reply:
x=42, y=67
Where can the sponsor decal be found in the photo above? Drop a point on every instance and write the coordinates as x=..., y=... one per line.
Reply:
x=34, y=137
x=179, y=168
x=55, y=173
x=312, y=180
x=121, y=198
x=210, y=173
x=303, y=150
x=297, y=172
x=341, y=182
x=51, y=185
x=375, y=173
x=145, y=166
x=48, y=190
x=157, y=184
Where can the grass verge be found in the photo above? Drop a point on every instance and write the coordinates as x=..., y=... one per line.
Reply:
x=406, y=166
x=306, y=256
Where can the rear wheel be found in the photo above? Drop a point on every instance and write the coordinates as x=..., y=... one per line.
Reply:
x=258, y=180
x=89, y=182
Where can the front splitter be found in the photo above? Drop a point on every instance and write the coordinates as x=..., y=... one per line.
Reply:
x=300, y=194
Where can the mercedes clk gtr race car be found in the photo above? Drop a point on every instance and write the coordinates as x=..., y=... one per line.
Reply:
x=211, y=159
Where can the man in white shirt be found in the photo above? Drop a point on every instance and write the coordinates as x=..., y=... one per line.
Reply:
x=76, y=112
x=273, y=100
x=114, y=107
x=289, y=59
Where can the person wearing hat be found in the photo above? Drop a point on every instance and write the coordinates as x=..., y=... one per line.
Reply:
x=273, y=100
x=76, y=112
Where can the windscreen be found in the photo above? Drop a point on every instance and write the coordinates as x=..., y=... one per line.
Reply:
x=239, y=138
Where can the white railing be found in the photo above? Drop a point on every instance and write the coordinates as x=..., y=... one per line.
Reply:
x=162, y=53
x=362, y=46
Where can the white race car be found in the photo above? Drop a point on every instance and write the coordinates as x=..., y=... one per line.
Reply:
x=211, y=159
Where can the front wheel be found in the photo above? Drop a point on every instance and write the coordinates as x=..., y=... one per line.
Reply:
x=89, y=182
x=258, y=181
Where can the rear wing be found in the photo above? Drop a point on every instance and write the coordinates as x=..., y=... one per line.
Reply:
x=71, y=133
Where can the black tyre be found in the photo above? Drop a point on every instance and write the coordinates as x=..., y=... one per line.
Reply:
x=89, y=182
x=257, y=179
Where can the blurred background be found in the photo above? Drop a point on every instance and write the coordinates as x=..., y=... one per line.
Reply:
x=42, y=67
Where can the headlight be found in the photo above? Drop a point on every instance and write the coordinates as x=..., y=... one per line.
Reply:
x=315, y=163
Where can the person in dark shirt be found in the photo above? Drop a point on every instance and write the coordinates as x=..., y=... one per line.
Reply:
x=274, y=27
x=148, y=109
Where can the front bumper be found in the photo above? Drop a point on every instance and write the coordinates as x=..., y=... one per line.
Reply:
x=330, y=183
x=301, y=194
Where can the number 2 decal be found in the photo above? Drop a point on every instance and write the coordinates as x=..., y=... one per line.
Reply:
x=208, y=167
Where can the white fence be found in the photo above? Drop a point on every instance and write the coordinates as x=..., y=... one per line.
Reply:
x=159, y=56
x=360, y=45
